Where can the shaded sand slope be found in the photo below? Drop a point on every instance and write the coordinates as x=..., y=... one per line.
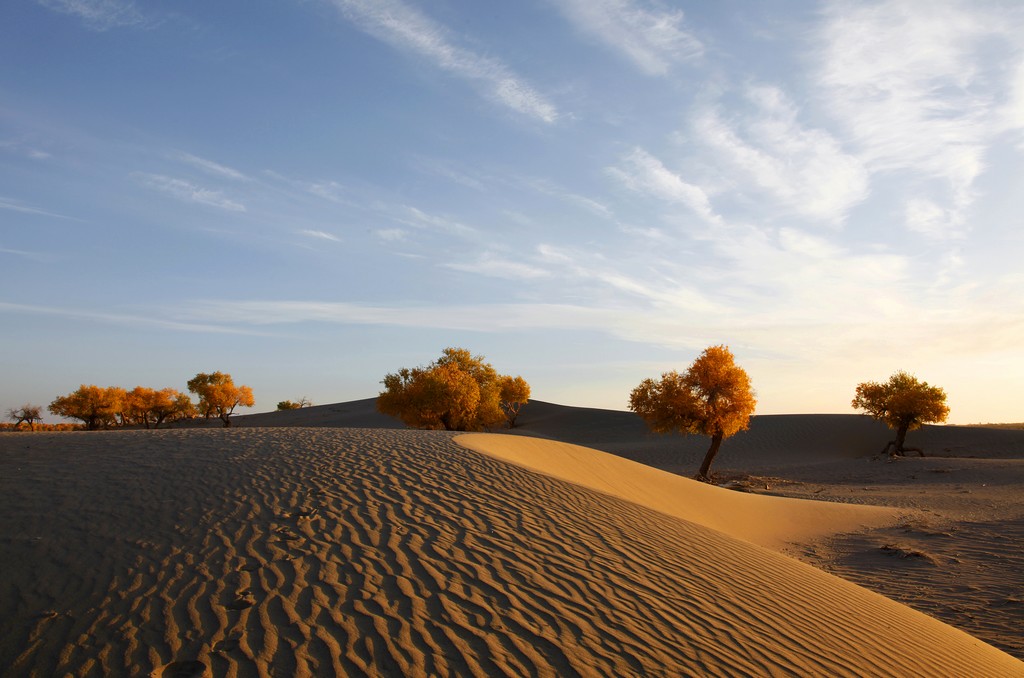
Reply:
x=773, y=522
x=390, y=552
x=772, y=442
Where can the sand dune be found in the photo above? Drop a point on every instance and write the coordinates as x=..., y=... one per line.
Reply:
x=773, y=522
x=395, y=552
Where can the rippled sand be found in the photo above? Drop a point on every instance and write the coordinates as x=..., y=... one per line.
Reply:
x=390, y=552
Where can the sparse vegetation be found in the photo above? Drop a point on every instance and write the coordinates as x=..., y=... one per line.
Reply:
x=290, y=405
x=26, y=414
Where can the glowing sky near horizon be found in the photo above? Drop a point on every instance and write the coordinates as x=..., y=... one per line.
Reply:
x=310, y=194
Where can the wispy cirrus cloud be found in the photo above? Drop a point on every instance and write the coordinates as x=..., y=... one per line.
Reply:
x=641, y=172
x=188, y=192
x=99, y=15
x=138, y=321
x=496, y=266
x=18, y=206
x=211, y=167
x=320, y=235
x=923, y=92
x=407, y=28
x=802, y=168
x=650, y=36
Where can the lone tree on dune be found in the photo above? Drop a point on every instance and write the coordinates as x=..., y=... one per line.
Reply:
x=713, y=398
x=219, y=396
x=457, y=392
x=28, y=414
x=903, y=403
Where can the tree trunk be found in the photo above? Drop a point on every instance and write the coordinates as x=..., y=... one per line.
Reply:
x=705, y=468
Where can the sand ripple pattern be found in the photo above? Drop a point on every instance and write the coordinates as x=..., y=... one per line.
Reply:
x=277, y=552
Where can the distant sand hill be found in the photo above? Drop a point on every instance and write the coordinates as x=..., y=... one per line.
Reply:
x=330, y=541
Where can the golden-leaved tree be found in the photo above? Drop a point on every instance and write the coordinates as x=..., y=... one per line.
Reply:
x=904, y=404
x=150, y=407
x=94, y=406
x=456, y=392
x=713, y=398
x=218, y=395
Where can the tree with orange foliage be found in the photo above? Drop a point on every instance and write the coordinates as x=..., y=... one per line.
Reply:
x=94, y=406
x=219, y=396
x=457, y=392
x=515, y=393
x=713, y=398
x=151, y=408
x=904, y=404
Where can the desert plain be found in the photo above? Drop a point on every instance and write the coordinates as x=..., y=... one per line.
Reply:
x=333, y=541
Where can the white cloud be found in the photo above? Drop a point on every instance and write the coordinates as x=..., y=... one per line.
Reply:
x=99, y=15
x=490, y=264
x=652, y=38
x=211, y=167
x=409, y=29
x=17, y=206
x=804, y=169
x=322, y=235
x=922, y=88
x=417, y=218
x=188, y=192
x=120, y=319
x=643, y=173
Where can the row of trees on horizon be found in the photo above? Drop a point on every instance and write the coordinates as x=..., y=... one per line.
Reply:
x=99, y=407
x=713, y=397
x=463, y=392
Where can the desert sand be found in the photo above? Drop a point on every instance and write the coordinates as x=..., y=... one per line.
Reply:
x=307, y=545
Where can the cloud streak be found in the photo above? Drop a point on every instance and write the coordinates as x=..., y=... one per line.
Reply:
x=99, y=15
x=408, y=29
x=211, y=167
x=188, y=192
x=654, y=40
x=17, y=206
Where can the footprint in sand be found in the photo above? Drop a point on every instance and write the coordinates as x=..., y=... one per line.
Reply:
x=183, y=669
x=243, y=600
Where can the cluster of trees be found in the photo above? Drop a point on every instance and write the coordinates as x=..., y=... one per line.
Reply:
x=462, y=392
x=456, y=392
x=99, y=407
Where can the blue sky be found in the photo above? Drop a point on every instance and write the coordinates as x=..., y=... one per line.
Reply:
x=309, y=194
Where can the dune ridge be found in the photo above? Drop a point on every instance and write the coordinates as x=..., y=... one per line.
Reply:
x=773, y=522
x=397, y=552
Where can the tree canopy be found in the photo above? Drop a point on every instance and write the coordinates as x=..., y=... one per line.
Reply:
x=150, y=408
x=456, y=392
x=94, y=406
x=218, y=395
x=713, y=398
x=904, y=404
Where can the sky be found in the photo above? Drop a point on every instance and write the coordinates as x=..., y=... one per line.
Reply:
x=310, y=194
